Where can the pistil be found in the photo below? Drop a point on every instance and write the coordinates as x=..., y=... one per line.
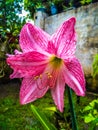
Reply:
x=56, y=62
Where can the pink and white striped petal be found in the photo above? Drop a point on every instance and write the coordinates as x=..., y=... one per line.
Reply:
x=74, y=76
x=33, y=38
x=58, y=93
x=64, y=39
x=27, y=64
x=30, y=91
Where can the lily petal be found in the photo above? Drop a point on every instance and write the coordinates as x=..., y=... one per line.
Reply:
x=17, y=52
x=58, y=93
x=74, y=76
x=33, y=38
x=30, y=91
x=65, y=39
x=27, y=64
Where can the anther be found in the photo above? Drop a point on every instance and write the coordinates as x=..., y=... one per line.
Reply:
x=36, y=77
x=40, y=76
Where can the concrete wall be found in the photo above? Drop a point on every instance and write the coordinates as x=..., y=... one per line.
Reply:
x=86, y=28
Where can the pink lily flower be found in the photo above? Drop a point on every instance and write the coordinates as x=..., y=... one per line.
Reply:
x=47, y=62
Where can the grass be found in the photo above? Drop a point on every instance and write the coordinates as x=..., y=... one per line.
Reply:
x=14, y=116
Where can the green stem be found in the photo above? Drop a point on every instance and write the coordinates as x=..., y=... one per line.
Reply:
x=73, y=115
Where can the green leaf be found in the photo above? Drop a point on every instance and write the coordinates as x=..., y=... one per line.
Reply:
x=87, y=108
x=89, y=118
x=96, y=121
x=51, y=109
x=42, y=119
x=95, y=65
x=92, y=104
x=93, y=124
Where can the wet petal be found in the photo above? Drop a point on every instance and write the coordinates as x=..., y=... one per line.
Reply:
x=58, y=93
x=27, y=64
x=33, y=38
x=74, y=76
x=65, y=38
x=29, y=91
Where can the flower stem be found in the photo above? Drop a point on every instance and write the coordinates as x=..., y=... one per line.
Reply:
x=73, y=115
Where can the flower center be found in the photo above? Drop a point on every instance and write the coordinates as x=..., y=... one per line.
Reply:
x=56, y=62
x=49, y=76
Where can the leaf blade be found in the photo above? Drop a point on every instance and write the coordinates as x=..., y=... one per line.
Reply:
x=42, y=119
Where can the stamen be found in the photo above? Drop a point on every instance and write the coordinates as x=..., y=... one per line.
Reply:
x=48, y=75
x=36, y=77
x=40, y=79
x=40, y=76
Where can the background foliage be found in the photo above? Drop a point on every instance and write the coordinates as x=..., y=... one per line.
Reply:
x=61, y=5
x=95, y=66
x=10, y=25
x=10, y=22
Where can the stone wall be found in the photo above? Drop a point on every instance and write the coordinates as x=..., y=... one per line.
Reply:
x=86, y=28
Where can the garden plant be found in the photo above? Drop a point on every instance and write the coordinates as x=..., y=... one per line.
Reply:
x=43, y=85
